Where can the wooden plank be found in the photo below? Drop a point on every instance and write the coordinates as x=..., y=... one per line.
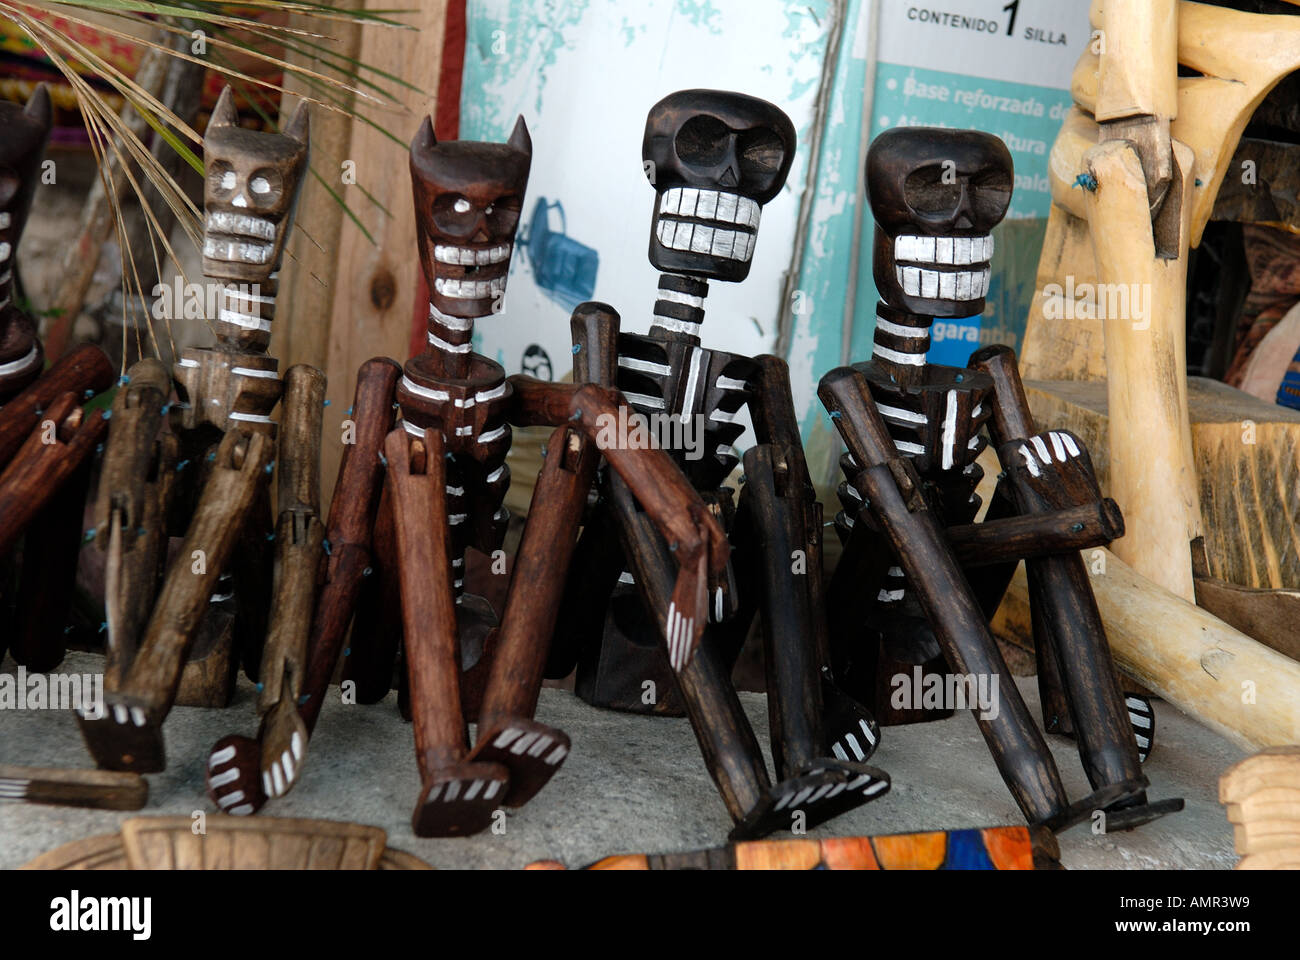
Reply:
x=1226, y=680
x=366, y=309
x=1247, y=457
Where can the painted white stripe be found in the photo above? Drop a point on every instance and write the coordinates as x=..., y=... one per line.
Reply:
x=912, y=359
x=187, y=363
x=1041, y=447
x=852, y=741
x=676, y=326
x=727, y=383
x=483, y=396
x=644, y=400
x=250, y=418
x=220, y=757
x=221, y=779
x=495, y=475
x=907, y=446
x=866, y=732
x=246, y=320
x=425, y=392
x=491, y=435
x=22, y=363
x=250, y=372
x=1030, y=463
x=898, y=330
x=1057, y=448
x=645, y=366
x=1070, y=444
x=898, y=413
x=949, y=430
x=230, y=799
x=692, y=382
x=459, y=324
x=676, y=296
x=446, y=347
x=242, y=810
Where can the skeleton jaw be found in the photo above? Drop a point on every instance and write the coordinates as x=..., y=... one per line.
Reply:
x=936, y=282
x=472, y=256
x=238, y=238
x=469, y=289
x=710, y=222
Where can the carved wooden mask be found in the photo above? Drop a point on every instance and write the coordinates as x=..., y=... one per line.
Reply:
x=468, y=197
x=936, y=195
x=714, y=158
x=251, y=190
x=22, y=144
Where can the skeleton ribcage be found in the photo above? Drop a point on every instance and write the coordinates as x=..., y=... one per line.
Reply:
x=706, y=387
x=936, y=424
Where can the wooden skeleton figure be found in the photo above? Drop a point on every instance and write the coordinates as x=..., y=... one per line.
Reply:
x=446, y=478
x=225, y=444
x=913, y=431
x=714, y=159
x=47, y=441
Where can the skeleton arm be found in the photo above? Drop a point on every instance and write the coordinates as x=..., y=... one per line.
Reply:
x=695, y=536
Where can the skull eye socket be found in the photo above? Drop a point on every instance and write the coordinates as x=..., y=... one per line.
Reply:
x=264, y=186
x=926, y=192
x=991, y=194
x=454, y=215
x=503, y=215
x=761, y=153
x=703, y=141
x=221, y=178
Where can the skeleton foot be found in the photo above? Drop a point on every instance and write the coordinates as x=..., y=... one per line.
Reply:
x=127, y=736
x=459, y=800
x=1143, y=720
x=823, y=792
x=232, y=776
x=530, y=750
x=853, y=730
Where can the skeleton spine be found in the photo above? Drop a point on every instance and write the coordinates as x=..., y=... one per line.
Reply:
x=901, y=342
x=679, y=308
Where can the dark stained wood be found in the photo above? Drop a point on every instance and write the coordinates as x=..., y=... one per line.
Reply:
x=81, y=369
x=101, y=789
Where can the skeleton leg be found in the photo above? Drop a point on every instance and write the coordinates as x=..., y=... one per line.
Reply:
x=1062, y=597
x=507, y=734
x=129, y=734
x=889, y=483
x=234, y=775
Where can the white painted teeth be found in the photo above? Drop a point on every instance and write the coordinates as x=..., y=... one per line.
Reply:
x=710, y=205
x=696, y=237
x=5, y=220
x=236, y=251
x=472, y=256
x=241, y=225
x=936, y=285
x=469, y=289
x=958, y=251
x=5, y=250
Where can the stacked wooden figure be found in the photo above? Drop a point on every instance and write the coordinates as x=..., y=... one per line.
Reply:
x=641, y=571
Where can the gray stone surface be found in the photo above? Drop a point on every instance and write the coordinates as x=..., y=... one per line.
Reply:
x=631, y=784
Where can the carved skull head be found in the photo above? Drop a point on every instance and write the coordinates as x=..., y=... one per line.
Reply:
x=21, y=147
x=936, y=195
x=468, y=197
x=250, y=193
x=714, y=158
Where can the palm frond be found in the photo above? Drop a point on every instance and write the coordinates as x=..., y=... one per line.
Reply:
x=260, y=32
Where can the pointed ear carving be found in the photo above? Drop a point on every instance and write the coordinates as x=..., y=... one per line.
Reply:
x=299, y=124
x=38, y=106
x=224, y=113
x=519, y=138
x=424, y=138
